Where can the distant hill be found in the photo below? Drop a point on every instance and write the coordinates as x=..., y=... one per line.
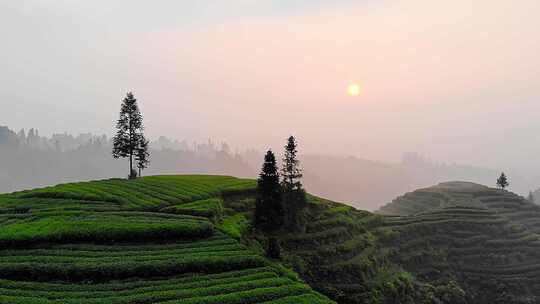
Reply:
x=485, y=238
x=443, y=195
x=368, y=184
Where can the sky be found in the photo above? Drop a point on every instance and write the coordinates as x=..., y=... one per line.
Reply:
x=457, y=81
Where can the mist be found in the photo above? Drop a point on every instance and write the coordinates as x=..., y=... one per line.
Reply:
x=30, y=160
x=455, y=82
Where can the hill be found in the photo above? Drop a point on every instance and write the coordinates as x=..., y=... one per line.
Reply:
x=187, y=239
x=152, y=240
x=484, y=238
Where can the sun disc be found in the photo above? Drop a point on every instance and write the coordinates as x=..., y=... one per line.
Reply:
x=353, y=89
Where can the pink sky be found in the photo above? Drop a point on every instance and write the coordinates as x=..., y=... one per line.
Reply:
x=451, y=79
x=431, y=74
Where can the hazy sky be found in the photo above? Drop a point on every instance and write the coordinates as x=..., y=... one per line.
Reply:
x=456, y=80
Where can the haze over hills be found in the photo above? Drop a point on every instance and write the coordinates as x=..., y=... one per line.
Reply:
x=30, y=160
x=369, y=184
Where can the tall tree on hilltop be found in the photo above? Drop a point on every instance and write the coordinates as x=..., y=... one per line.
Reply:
x=291, y=171
x=294, y=196
x=129, y=134
x=269, y=208
x=502, y=181
x=142, y=155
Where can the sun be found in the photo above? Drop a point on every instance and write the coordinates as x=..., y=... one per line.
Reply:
x=353, y=89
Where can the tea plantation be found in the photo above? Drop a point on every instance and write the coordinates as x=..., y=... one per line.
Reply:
x=483, y=238
x=159, y=239
x=453, y=243
x=188, y=239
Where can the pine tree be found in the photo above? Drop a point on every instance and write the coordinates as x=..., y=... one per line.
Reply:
x=142, y=156
x=294, y=196
x=269, y=208
x=291, y=171
x=502, y=181
x=129, y=134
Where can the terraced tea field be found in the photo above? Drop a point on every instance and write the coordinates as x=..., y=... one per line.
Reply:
x=452, y=243
x=486, y=238
x=151, y=240
x=187, y=239
x=149, y=193
x=340, y=254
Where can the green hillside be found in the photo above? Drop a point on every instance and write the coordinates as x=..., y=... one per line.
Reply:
x=153, y=240
x=188, y=239
x=484, y=238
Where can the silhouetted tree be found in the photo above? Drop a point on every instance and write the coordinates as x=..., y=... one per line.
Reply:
x=143, y=155
x=291, y=171
x=502, y=181
x=294, y=196
x=530, y=198
x=129, y=133
x=269, y=208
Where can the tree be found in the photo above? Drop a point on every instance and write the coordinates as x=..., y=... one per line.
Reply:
x=142, y=155
x=269, y=208
x=291, y=171
x=530, y=198
x=129, y=134
x=502, y=181
x=294, y=196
